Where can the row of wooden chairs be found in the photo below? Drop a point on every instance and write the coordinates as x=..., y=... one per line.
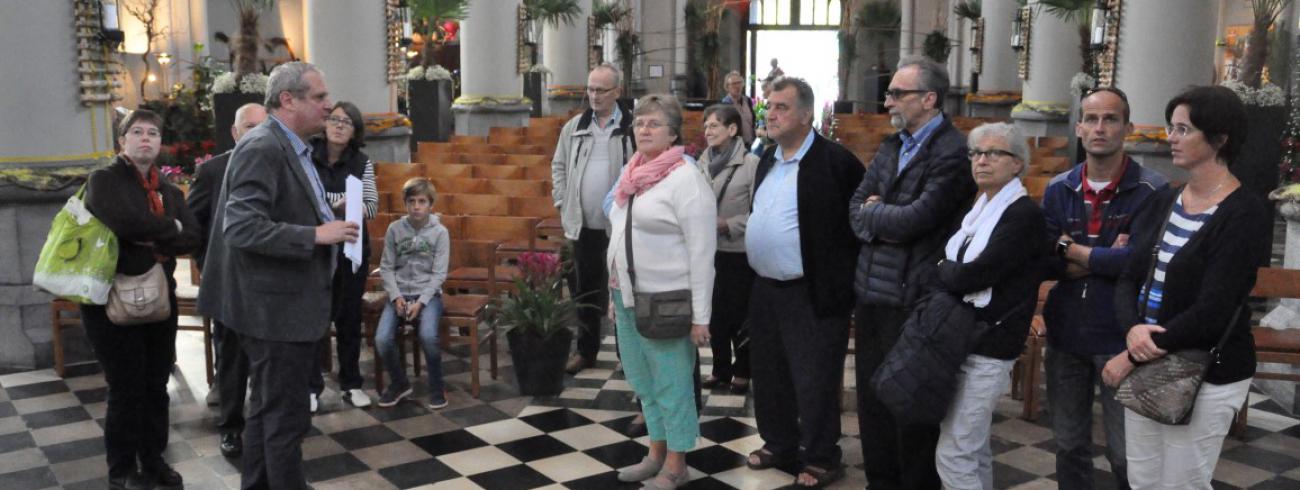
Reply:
x=476, y=205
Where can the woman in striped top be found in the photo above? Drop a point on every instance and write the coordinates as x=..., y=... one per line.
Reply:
x=337, y=155
x=1215, y=235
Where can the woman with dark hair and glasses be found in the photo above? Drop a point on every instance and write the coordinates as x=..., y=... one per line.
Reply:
x=1197, y=249
x=337, y=155
x=731, y=171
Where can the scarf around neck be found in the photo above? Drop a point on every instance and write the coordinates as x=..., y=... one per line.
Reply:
x=643, y=174
x=977, y=226
x=720, y=158
x=150, y=185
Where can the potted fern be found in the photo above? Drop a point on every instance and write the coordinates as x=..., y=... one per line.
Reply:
x=428, y=85
x=536, y=317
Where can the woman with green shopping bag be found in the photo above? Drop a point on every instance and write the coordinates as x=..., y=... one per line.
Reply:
x=153, y=226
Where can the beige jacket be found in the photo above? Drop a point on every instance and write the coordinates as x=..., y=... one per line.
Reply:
x=735, y=205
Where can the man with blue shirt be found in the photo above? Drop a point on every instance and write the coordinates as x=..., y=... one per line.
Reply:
x=800, y=245
x=908, y=204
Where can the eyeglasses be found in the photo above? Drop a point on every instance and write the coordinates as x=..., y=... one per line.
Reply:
x=600, y=91
x=898, y=93
x=138, y=131
x=647, y=124
x=975, y=154
x=1179, y=130
x=713, y=125
x=339, y=121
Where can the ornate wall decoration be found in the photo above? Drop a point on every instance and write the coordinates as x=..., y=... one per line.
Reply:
x=524, y=58
x=98, y=67
x=977, y=47
x=395, y=52
x=1026, y=30
x=594, y=48
x=1109, y=56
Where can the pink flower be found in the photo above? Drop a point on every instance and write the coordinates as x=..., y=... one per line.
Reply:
x=202, y=160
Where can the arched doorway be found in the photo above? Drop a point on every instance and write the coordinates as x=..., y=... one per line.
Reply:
x=801, y=35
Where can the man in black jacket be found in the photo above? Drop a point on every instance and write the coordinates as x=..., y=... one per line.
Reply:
x=232, y=365
x=800, y=244
x=907, y=206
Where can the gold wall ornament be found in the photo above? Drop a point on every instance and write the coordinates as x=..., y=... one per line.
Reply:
x=1026, y=33
x=98, y=67
x=977, y=46
x=1107, y=60
x=595, y=50
x=394, y=51
x=523, y=58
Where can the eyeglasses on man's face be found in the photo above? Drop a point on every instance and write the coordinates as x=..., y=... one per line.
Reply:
x=599, y=91
x=899, y=93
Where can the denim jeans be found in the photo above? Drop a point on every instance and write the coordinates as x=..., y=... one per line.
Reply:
x=1071, y=382
x=386, y=339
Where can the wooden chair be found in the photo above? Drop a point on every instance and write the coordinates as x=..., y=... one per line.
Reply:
x=461, y=186
x=1028, y=367
x=482, y=159
x=528, y=160
x=450, y=170
x=461, y=139
x=525, y=188
x=63, y=314
x=187, y=296
x=533, y=207
x=399, y=171
x=1036, y=185
x=498, y=172
x=1273, y=345
x=480, y=205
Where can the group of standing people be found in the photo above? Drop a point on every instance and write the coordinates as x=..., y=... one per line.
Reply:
x=804, y=241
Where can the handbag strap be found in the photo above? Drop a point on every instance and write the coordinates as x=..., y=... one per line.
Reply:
x=1223, y=339
x=627, y=240
x=725, y=183
x=1155, y=257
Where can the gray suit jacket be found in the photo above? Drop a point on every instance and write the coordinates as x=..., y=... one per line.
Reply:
x=264, y=276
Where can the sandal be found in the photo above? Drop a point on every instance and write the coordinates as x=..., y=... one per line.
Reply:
x=766, y=459
x=821, y=477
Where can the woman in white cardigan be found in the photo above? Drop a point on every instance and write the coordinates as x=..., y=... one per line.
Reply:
x=674, y=237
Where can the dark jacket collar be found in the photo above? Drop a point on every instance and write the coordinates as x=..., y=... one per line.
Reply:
x=624, y=123
x=1131, y=178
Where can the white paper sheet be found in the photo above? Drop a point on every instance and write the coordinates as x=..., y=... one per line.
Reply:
x=353, y=212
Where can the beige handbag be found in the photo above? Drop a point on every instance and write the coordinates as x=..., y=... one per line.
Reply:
x=139, y=299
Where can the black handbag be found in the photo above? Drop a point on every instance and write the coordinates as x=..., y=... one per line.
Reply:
x=1164, y=390
x=665, y=315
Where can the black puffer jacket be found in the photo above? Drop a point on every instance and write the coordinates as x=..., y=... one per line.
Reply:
x=903, y=235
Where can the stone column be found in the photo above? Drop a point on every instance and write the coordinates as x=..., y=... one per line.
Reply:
x=53, y=130
x=1164, y=46
x=998, y=73
x=564, y=52
x=1053, y=60
x=345, y=39
x=491, y=88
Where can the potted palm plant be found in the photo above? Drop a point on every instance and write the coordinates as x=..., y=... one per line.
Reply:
x=539, y=13
x=245, y=83
x=536, y=317
x=428, y=85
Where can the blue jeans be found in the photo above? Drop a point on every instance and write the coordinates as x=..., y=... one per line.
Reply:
x=1071, y=381
x=386, y=340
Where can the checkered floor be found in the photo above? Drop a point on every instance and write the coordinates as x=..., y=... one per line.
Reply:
x=50, y=437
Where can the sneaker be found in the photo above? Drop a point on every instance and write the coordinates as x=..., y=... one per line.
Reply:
x=438, y=400
x=315, y=402
x=394, y=394
x=357, y=397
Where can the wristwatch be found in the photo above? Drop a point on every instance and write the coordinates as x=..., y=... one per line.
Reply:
x=1063, y=247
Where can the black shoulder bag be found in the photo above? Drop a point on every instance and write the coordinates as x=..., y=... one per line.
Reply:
x=1164, y=390
x=665, y=315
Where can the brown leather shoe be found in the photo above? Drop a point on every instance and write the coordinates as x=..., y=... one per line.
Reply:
x=577, y=363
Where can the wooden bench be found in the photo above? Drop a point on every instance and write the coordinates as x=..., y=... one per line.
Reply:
x=1273, y=345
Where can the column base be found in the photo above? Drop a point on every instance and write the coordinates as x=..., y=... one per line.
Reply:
x=1155, y=156
x=995, y=105
x=564, y=99
x=475, y=116
x=1035, y=123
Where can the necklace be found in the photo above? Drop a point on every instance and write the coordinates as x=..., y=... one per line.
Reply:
x=1208, y=196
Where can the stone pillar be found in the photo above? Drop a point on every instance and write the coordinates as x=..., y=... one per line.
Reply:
x=53, y=130
x=907, y=34
x=999, y=73
x=1053, y=60
x=1164, y=46
x=564, y=52
x=491, y=88
x=345, y=39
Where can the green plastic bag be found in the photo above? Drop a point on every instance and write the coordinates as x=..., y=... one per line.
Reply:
x=79, y=258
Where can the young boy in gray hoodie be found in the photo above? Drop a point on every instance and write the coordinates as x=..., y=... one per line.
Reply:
x=413, y=268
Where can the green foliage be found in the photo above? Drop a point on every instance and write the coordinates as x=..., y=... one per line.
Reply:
x=187, y=132
x=879, y=19
x=968, y=9
x=537, y=305
x=553, y=12
x=608, y=13
x=1079, y=11
x=937, y=46
x=1279, y=56
x=429, y=15
x=627, y=44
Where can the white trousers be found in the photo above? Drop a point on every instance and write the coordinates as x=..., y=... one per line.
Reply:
x=1182, y=456
x=963, y=457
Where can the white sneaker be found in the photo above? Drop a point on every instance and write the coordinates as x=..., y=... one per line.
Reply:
x=315, y=402
x=357, y=397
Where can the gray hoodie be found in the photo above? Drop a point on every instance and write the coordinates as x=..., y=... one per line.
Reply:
x=415, y=261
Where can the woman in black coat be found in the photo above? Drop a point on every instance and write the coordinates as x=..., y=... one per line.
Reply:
x=153, y=226
x=1198, y=247
x=990, y=263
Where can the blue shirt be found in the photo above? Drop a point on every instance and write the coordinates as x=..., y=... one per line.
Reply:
x=1182, y=225
x=772, y=234
x=912, y=143
x=303, y=151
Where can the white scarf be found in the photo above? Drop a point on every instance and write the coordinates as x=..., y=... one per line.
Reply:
x=978, y=226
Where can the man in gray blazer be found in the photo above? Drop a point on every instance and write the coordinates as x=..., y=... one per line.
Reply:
x=267, y=273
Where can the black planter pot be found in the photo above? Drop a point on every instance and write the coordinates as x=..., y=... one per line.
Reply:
x=1257, y=165
x=223, y=116
x=533, y=89
x=430, y=109
x=538, y=362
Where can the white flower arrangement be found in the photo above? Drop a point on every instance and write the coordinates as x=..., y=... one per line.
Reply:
x=1081, y=83
x=1269, y=95
x=253, y=83
x=435, y=72
x=540, y=68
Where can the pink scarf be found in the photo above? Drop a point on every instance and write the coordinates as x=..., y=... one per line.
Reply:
x=641, y=175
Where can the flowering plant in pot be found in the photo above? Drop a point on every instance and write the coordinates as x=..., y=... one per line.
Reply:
x=537, y=318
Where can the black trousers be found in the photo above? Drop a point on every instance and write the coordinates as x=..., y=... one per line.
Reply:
x=345, y=310
x=895, y=456
x=137, y=362
x=797, y=382
x=728, y=327
x=589, y=282
x=278, y=413
x=232, y=378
